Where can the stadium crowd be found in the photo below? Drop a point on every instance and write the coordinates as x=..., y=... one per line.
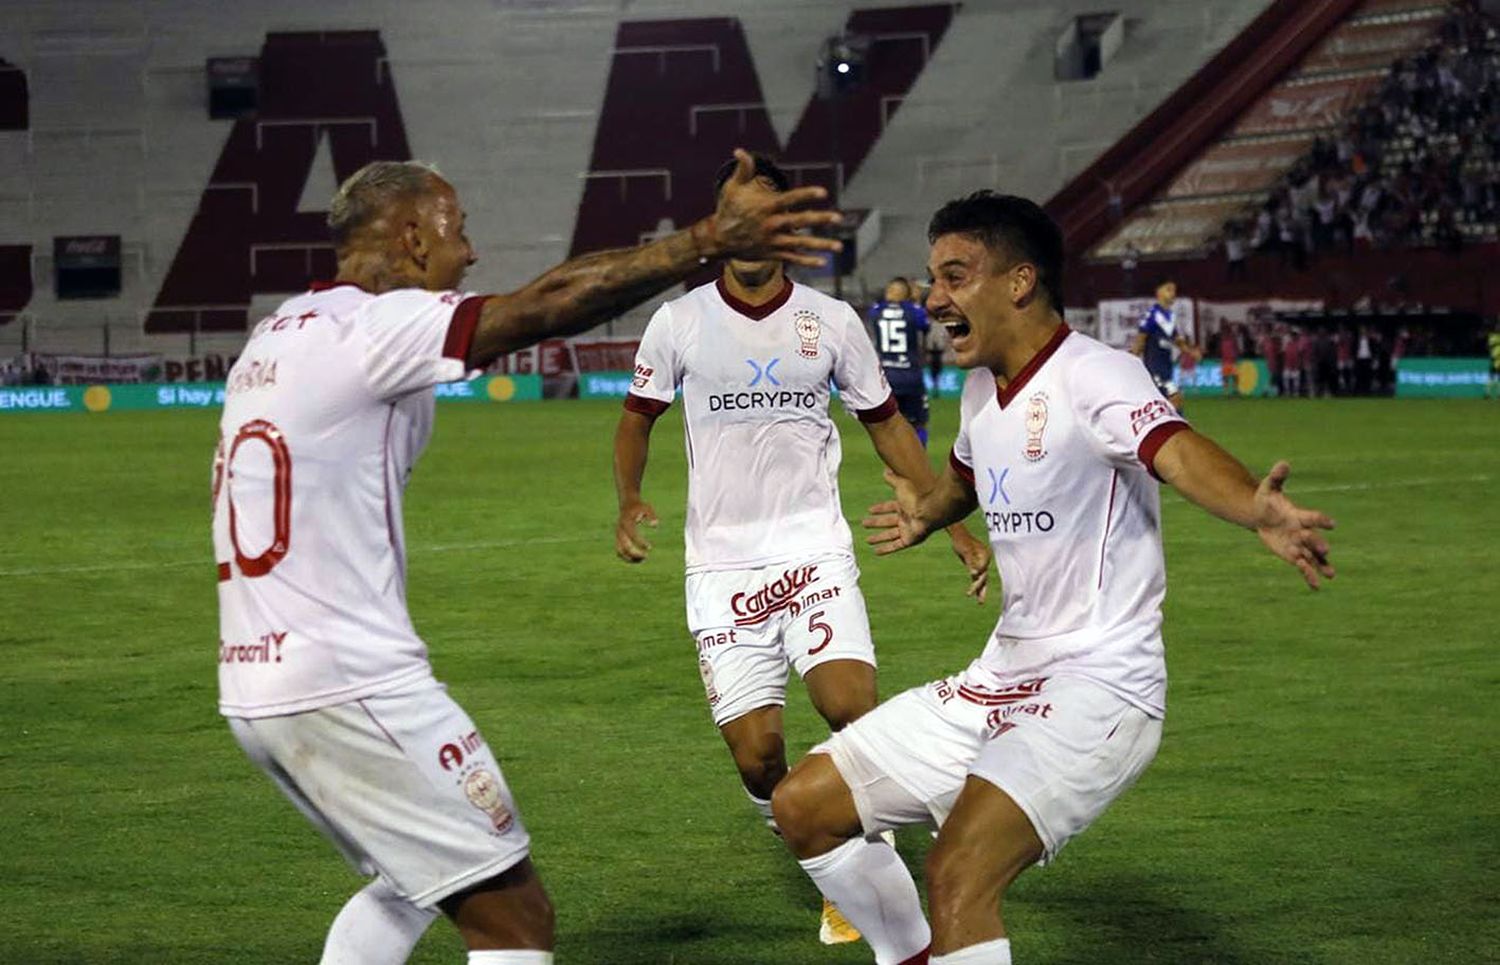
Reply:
x=1417, y=165
x=1347, y=360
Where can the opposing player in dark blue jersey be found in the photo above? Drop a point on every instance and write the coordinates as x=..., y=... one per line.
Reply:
x=900, y=326
x=1155, y=339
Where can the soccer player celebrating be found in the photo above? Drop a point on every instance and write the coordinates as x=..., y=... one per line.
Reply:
x=323, y=679
x=1063, y=710
x=1156, y=338
x=900, y=327
x=771, y=579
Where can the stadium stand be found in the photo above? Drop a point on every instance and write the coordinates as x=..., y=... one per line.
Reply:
x=1372, y=150
x=104, y=130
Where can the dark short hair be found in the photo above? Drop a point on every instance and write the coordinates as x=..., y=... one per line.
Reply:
x=1005, y=222
x=764, y=168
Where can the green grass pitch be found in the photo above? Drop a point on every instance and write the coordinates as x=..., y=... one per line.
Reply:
x=1326, y=791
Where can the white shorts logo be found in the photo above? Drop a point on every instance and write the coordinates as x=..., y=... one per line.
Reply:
x=809, y=330
x=483, y=791
x=706, y=671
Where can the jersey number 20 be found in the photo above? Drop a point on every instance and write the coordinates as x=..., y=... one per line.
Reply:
x=266, y=433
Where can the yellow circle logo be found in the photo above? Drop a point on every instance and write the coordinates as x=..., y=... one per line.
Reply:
x=502, y=388
x=96, y=398
x=1248, y=374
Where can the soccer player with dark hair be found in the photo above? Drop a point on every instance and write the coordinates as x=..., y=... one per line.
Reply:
x=1062, y=442
x=1155, y=338
x=322, y=677
x=900, y=329
x=771, y=585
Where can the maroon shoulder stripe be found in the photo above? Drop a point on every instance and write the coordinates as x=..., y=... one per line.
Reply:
x=645, y=406
x=881, y=412
x=1153, y=442
x=461, y=328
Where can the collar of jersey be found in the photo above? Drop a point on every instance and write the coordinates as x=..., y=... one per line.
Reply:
x=1014, y=386
x=323, y=286
x=757, y=312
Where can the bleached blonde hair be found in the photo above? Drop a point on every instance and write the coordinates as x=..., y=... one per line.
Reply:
x=367, y=193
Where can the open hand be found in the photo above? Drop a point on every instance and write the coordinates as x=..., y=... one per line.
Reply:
x=760, y=225
x=630, y=545
x=1290, y=531
x=894, y=525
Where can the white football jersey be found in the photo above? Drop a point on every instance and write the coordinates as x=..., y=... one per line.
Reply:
x=325, y=413
x=1061, y=461
x=763, y=454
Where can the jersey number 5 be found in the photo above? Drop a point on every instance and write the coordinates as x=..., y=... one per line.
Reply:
x=267, y=434
x=814, y=625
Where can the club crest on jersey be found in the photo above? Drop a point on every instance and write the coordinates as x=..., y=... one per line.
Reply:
x=809, y=329
x=483, y=791
x=1036, y=424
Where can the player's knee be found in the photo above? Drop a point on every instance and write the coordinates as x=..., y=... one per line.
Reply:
x=511, y=910
x=847, y=709
x=761, y=763
x=795, y=807
x=848, y=703
x=538, y=921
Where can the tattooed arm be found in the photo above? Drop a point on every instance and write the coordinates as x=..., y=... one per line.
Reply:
x=588, y=290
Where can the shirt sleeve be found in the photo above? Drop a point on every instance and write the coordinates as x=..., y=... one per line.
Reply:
x=857, y=373
x=415, y=339
x=919, y=317
x=658, y=369
x=1120, y=407
x=979, y=387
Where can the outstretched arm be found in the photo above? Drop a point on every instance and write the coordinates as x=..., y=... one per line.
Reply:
x=632, y=443
x=898, y=447
x=1205, y=474
x=588, y=290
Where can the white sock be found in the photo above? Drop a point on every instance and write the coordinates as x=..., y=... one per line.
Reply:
x=873, y=889
x=375, y=927
x=764, y=807
x=510, y=956
x=996, y=952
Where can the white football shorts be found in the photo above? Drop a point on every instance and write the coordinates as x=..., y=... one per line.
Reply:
x=1062, y=748
x=751, y=625
x=401, y=783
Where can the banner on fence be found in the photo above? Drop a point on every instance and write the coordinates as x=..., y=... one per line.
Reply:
x=89, y=369
x=1251, y=377
x=206, y=395
x=1442, y=378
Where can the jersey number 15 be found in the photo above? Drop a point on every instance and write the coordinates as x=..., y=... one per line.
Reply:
x=893, y=336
